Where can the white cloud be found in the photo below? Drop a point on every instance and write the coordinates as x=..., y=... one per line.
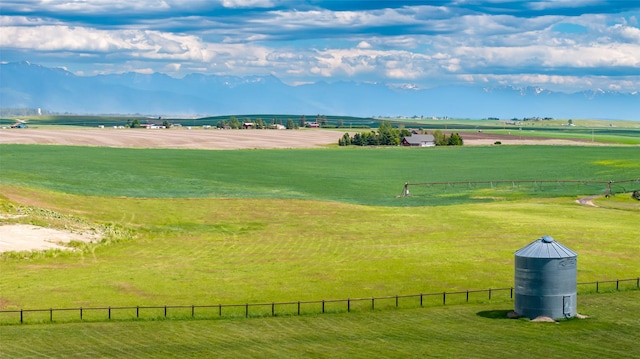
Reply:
x=418, y=43
x=247, y=3
x=94, y=6
x=173, y=67
x=555, y=4
x=146, y=71
x=626, y=33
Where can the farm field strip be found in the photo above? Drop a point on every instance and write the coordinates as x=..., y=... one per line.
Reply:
x=363, y=176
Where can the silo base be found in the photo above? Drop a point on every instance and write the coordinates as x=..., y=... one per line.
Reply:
x=554, y=306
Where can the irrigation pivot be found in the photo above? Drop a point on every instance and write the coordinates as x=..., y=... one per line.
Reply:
x=554, y=187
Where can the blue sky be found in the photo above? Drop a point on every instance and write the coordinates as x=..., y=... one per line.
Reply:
x=563, y=45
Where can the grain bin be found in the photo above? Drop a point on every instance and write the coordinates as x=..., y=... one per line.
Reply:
x=545, y=280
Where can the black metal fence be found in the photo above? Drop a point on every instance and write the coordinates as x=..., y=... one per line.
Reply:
x=284, y=308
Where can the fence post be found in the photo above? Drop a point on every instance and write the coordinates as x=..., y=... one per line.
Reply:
x=109, y=312
x=444, y=298
x=20, y=316
x=489, y=293
x=273, y=309
x=51, y=314
x=193, y=310
x=220, y=309
x=348, y=305
x=165, y=311
x=323, y=306
x=298, y=307
x=638, y=282
x=373, y=306
x=396, y=301
x=467, y=296
x=80, y=313
x=246, y=310
x=137, y=311
x=597, y=287
x=511, y=292
x=617, y=283
x=421, y=299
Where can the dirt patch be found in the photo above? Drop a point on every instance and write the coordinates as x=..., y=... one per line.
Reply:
x=25, y=237
x=587, y=201
x=543, y=319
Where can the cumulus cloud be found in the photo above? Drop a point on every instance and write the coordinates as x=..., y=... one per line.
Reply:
x=247, y=3
x=567, y=44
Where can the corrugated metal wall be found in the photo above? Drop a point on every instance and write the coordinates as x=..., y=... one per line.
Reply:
x=546, y=280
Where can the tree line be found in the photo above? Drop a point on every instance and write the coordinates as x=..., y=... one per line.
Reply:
x=387, y=135
x=259, y=123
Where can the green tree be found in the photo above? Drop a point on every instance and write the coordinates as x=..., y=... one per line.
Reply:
x=372, y=138
x=290, y=124
x=455, y=140
x=387, y=135
x=234, y=123
x=357, y=139
x=439, y=138
x=345, y=140
x=135, y=123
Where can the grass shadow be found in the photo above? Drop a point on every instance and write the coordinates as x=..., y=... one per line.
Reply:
x=495, y=314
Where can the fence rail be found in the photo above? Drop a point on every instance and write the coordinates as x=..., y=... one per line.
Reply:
x=621, y=185
x=269, y=309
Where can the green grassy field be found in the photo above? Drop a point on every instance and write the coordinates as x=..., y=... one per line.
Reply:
x=351, y=175
x=209, y=251
x=207, y=227
x=460, y=331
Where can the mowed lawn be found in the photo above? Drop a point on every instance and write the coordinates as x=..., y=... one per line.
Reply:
x=459, y=331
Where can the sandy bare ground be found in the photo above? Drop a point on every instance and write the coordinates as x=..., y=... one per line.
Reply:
x=225, y=139
x=25, y=237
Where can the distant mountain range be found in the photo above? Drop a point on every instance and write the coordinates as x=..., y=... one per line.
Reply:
x=25, y=85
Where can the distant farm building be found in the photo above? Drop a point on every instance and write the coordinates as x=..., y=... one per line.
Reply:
x=419, y=141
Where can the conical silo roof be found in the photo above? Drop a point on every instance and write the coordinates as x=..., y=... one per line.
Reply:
x=545, y=247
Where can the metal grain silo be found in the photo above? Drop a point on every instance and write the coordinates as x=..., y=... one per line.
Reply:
x=546, y=280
